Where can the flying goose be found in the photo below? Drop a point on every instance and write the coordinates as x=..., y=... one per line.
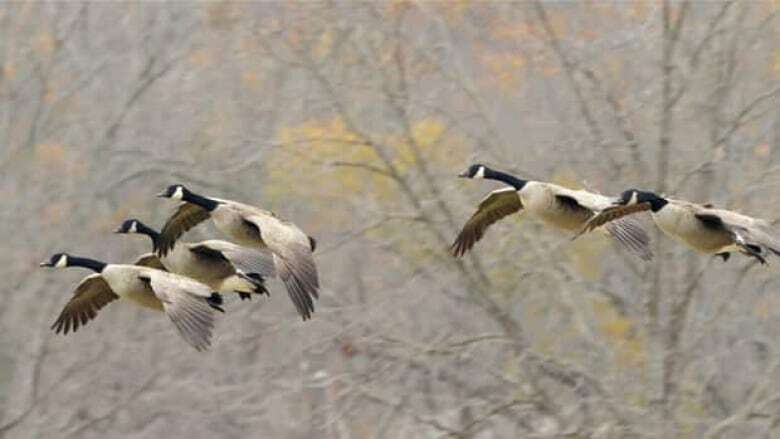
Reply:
x=251, y=227
x=222, y=265
x=557, y=206
x=699, y=226
x=189, y=304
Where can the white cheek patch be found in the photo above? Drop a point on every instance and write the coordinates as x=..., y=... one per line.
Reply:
x=62, y=262
x=179, y=194
x=133, y=227
x=633, y=199
x=480, y=172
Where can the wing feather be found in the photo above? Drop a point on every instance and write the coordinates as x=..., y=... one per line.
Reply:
x=185, y=217
x=245, y=259
x=611, y=214
x=497, y=205
x=92, y=294
x=185, y=302
x=293, y=260
x=629, y=233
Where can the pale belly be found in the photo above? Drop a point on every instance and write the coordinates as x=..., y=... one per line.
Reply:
x=688, y=230
x=539, y=201
x=193, y=268
x=562, y=220
x=145, y=299
x=127, y=285
x=551, y=214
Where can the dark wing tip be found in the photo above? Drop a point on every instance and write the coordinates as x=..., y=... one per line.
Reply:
x=300, y=279
x=491, y=210
x=631, y=236
x=83, y=306
x=613, y=213
x=166, y=243
x=183, y=219
x=312, y=244
x=463, y=243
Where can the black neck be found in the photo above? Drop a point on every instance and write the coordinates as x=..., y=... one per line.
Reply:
x=96, y=266
x=154, y=235
x=204, y=202
x=506, y=178
x=657, y=204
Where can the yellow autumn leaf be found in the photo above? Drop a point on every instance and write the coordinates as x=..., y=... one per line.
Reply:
x=586, y=255
x=53, y=213
x=762, y=150
x=323, y=44
x=50, y=94
x=776, y=63
x=505, y=67
x=9, y=71
x=767, y=307
x=558, y=21
x=620, y=333
x=640, y=9
x=44, y=42
x=250, y=79
x=324, y=165
x=512, y=31
x=201, y=58
x=221, y=15
x=454, y=10
x=50, y=154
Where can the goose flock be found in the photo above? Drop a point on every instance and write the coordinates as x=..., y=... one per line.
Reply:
x=699, y=226
x=187, y=280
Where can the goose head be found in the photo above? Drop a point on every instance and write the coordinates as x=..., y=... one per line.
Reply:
x=174, y=191
x=635, y=196
x=474, y=171
x=57, y=260
x=129, y=226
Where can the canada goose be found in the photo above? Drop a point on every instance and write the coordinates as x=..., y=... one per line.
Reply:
x=222, y=265
x=252, y=227
x=189, y=304
x=699, y=226
x=557, y=206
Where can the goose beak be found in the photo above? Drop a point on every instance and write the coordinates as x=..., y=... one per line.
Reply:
x=162, y=195
x=119, y=230
x=464, y=174
x=45, y=264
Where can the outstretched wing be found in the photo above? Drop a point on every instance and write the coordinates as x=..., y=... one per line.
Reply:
x=626, y=231
x=611, y=214
x=186, y=304
x=497, y=205
x=630, y=233
x=293, y=260
x=185, y=217
x=92, y=294
x=244, y=259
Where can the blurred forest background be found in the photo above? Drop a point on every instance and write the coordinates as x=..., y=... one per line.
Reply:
x=352, y=120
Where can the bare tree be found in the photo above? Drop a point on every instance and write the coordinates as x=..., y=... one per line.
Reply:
x=352, y=120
